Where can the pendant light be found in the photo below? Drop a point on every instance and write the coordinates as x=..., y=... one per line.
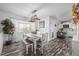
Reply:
x=34, y=18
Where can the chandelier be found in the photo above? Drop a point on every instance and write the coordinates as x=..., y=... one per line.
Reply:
x=34, y=18
x=75, y=13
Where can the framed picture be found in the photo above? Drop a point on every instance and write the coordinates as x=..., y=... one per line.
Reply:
x=42, y=24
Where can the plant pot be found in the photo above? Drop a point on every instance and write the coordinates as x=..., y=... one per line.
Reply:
x=7, y=39
x=8, y=42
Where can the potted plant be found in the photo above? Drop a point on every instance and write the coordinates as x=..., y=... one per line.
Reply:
x=8, y=30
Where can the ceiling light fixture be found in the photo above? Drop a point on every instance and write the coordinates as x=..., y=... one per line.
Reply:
x=34, y=18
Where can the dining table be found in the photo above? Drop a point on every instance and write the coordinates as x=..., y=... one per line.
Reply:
x=34, y=39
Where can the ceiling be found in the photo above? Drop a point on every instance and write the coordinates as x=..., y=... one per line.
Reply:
x=60, y=10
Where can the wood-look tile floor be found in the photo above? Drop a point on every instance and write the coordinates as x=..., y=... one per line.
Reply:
x=56, y=47
x=15, y=49
x=59, y=47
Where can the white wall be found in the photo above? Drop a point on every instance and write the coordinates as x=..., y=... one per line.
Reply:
x=1, y=42
x=52, y=28
x=1, y=38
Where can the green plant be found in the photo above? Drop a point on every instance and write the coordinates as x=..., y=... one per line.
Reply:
x=8, y=26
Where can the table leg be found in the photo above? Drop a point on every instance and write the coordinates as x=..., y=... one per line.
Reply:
x=32, y=47
x=35, y=47
x=42, y=48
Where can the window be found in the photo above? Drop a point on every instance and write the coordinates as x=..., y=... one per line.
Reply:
x=22, y=27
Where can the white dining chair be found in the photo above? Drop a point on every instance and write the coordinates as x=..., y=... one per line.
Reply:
x=44, y=43
x=27, y=45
